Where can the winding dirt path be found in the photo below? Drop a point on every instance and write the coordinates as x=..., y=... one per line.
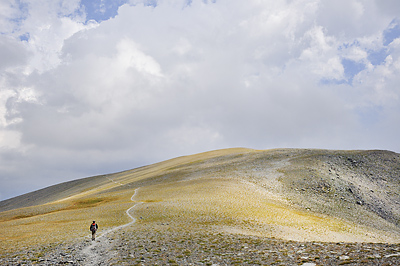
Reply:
x=98, y=252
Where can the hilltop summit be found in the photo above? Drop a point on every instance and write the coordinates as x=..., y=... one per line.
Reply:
x=287, y=194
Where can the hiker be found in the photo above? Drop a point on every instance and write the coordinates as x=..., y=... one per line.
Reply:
x=93, y=228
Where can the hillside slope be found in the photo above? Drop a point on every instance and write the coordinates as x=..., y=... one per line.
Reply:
x=52, y=193
x=292, y=194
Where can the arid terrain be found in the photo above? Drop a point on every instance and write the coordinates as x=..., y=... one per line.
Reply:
x=225, y=207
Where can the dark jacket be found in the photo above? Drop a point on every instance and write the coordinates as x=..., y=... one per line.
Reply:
x=93, y=227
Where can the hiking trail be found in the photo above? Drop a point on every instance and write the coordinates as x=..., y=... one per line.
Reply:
x=98, y=252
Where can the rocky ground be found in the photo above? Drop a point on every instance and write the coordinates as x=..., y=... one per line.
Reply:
x=169, y=245
x=359, y=187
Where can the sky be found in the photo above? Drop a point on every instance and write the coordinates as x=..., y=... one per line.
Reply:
x=99, y=86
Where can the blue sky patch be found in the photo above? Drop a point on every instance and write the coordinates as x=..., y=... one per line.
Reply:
x=100, y=10
x=377, y=57
x=393, y=32
x=23, y=8
x=389, y=35
x=351, y=68
x=325, y=81
x=24, y=37
x=151, y=3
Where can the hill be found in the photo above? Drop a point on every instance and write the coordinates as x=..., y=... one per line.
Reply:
x=283, y=194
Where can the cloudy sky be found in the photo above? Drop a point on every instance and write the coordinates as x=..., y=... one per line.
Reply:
x=98, y=86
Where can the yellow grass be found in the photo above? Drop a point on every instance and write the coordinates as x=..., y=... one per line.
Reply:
x=229, y=205
x=235, y=190
x=54, y=223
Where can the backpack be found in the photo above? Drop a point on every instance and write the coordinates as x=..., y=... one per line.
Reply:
x=93, y=227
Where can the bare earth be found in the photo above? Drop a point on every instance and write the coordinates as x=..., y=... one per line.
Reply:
x=228, y=207
x=166, y=244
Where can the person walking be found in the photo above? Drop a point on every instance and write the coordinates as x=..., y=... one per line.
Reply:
x=93, y=228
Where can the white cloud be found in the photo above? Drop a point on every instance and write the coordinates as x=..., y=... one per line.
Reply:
x=356, y=54
x=10, y=139
x=4, y=96
x=47, y=24
x=321, y=54
x=130, y=56
x=13, y=54
x=152, y=83
x=351, y=19
x=388, y=7
x=378, y=87
x=10, y=11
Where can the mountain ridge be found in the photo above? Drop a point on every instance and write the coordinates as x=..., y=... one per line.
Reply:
x=292, y=194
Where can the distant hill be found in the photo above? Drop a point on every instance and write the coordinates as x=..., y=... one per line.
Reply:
x=52, y=193
x=293, y=194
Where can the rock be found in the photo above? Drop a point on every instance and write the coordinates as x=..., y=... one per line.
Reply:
x=392, y=255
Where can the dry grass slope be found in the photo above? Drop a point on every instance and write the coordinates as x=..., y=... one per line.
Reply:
x=291, y=194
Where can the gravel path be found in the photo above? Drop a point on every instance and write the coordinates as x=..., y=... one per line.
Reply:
x=174, y=243
x=167, y=245
x=99, y=251
x=169, y=241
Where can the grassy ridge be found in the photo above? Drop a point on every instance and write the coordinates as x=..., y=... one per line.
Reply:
x=287, y=193
x=55, y=223
x=231, y=206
